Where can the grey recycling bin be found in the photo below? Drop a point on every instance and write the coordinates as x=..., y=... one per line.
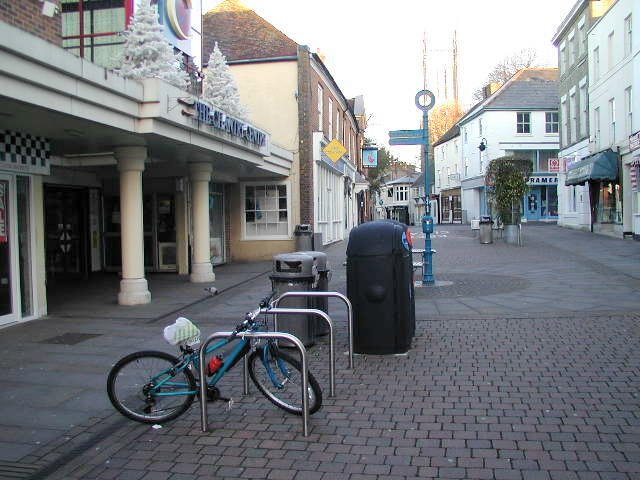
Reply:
x=486, y=232
x=322, y=285
x=294, y=272
x=304, y=237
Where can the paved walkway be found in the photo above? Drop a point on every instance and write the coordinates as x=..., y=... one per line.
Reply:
x=527, y=367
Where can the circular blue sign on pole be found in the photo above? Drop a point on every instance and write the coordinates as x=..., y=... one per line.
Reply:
x=430, y=100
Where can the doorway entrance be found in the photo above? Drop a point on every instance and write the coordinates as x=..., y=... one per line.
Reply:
x=65, y=213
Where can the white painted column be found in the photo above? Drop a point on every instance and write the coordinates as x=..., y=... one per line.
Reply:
x=133, y=286
x=201, y=269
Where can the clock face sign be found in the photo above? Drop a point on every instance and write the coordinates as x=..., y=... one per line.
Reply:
x=179, y=14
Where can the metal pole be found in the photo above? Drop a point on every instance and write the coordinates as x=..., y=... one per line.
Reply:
x=269, y=335
x=276, y=302
x=245, y=375
x=327, y=318
x=427, y=255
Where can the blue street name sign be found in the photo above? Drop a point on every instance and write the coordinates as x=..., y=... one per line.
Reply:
x=409, y=141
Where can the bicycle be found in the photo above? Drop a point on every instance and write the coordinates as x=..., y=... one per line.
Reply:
x=156, y=387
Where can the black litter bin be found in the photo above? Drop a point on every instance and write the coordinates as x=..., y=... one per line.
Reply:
x=304, y=237
x=380, y=287
x=293, y=272
x=322, y=285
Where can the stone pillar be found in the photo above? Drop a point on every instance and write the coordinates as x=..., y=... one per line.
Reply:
x=133, y=286
x=201, y=269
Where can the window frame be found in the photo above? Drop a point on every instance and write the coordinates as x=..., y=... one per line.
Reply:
x=243, y=200
x=549, y=123
x=523, y=124
x=320, y=107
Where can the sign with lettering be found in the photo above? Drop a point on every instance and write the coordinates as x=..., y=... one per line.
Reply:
x=334, y=150
x=547, y=180
x=237, y=128
x=554, y=164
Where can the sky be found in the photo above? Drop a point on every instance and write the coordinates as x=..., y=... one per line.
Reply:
x=375, y=49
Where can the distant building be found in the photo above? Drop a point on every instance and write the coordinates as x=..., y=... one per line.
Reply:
x=396, y=201
x=448, y=165
x=518, y=119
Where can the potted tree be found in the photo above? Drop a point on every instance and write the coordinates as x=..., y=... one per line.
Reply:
x=506, y=181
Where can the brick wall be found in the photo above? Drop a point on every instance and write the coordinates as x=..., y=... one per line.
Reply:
x=306, y=106
x=27, y=15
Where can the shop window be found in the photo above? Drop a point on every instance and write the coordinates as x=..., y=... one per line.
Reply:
x=266, y=211
x=610, y=203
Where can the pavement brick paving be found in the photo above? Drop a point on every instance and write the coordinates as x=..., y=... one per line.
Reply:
x=538, y=378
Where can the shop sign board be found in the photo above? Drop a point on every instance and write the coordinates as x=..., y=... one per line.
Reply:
x=554, y=164
x=543, y=180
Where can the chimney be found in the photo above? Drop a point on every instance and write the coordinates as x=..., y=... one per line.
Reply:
x=490, y=89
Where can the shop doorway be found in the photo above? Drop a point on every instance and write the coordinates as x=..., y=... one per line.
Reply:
x=8, y=255
x=532, y=207
x=66, y=233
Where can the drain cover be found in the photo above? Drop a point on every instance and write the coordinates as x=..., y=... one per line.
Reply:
x=70, y=338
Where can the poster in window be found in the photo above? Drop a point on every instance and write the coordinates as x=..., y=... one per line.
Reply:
x=3, y=212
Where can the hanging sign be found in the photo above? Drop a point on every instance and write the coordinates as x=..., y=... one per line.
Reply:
x=370, y=157
x=554, y=164
x=3, y=212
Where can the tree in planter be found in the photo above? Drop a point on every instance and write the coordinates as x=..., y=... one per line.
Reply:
x=506, y=180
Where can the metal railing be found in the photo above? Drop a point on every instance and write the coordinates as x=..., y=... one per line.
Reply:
x=269, y=335
x=307, y=311
x=276, y=302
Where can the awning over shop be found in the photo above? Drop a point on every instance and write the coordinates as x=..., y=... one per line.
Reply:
x=599, y=166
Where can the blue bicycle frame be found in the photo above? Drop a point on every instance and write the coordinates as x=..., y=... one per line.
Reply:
x=232, y=358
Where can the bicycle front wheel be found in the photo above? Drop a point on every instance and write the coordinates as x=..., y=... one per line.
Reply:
x=280, y=380
x=146, y=387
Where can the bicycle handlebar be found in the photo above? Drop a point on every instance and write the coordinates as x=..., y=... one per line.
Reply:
x=251, y=316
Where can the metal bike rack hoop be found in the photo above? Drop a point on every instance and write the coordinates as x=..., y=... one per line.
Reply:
x=319, y=313
x=342, y=297
x=269, y=335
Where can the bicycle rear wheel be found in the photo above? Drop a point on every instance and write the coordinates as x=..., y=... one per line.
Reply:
x=146, y=387
x=285, y=392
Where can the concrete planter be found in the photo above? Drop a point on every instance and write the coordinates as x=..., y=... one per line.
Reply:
x=511, y=234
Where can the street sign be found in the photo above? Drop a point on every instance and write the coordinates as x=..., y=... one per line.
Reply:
x=406, y=133
x=334, y=150
x=409, y=141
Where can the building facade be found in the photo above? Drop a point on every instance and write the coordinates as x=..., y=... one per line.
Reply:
x=571, y=41
x=607, y=171
x=290, y=92
x=448, y=165
x=99, y=173
x=519, y=119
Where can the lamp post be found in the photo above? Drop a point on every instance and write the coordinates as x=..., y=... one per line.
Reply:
x=427, y=219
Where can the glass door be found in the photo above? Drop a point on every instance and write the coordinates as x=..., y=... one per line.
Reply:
x=533, y=204
x=65, y=230
x=216, y=223
x=8, y=255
